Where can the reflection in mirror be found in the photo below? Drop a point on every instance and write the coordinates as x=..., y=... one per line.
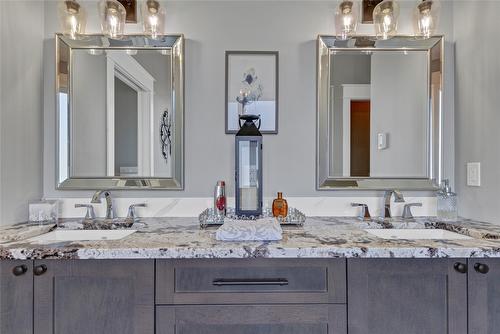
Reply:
x=120, y=117
x=118, y=101
x=379, y=113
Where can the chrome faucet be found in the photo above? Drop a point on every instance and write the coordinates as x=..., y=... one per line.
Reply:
x=109, y=202
x=398, y=198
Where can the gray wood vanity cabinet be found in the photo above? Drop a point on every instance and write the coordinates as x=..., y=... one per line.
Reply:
x=484, y=296
x=251, y=296
x=411, y=296
x=94, y=296
x=16, y=297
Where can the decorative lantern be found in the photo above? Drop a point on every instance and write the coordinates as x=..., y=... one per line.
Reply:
x=248, y=170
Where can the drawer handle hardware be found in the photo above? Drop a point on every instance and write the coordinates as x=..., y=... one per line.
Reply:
x=460, y=267
x=40, y=270
x=243, y=281
x=481, y=268
x=19, y=270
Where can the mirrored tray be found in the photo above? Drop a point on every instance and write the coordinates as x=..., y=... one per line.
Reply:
x=208, y=218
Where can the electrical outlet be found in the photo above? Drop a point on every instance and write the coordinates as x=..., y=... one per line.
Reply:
x=474, y=174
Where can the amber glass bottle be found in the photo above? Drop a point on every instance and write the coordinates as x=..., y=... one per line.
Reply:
x=280, y=206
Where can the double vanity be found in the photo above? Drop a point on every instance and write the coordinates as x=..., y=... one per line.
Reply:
x=332, y=275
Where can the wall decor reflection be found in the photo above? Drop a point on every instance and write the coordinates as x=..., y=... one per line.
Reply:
x=252, y=89
x=367, y=10
x=166, y=135
x=131, y=9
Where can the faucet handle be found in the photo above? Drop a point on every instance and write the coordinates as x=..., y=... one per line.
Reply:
x=407, y=210
x=365, y=214
x=131, y=210
x=90, y=214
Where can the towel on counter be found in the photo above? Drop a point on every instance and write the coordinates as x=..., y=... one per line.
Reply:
x=266, y=229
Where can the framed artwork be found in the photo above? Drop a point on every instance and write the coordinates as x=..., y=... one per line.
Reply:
x=367, y=10
x=131, y=9
x=252, y=88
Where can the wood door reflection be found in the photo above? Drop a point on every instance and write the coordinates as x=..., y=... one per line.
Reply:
x=360, y=138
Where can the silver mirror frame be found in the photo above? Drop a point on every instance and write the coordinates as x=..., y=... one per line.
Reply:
x=327, y=45
x=174, y=44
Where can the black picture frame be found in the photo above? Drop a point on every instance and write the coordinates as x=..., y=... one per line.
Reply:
x=231, y=129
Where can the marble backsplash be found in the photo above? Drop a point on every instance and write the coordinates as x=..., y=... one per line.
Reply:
x=191, y=207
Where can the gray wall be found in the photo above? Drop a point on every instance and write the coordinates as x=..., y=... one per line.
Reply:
x=88, y=145
x=20, y=107
x=212, y=28
x=345, y=69
x=477, y=106
x=159, y=67
x=126, y=115
x=399, y=101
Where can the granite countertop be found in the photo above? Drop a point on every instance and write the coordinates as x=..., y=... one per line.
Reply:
x=320, y=237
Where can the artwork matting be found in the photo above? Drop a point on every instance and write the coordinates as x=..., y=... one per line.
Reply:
x=252, y=86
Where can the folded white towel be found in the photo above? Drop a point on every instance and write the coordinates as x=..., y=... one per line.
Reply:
x=266, y=229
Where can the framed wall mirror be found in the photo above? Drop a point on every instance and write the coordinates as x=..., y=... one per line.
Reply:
x=120, y=112
x=379, y=113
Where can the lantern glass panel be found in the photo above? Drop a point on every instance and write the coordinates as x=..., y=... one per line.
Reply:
x=248, y=175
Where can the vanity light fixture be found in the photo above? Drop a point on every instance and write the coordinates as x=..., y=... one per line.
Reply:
x=112, y=15
x=72, y=18
x=426, y=18
x=346, y=19
x=385, y=19
x=153, y=18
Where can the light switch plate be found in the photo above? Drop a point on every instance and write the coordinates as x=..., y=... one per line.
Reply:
x=382, y=141
x=474, y=174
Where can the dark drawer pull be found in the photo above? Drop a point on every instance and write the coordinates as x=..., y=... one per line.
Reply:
x=481, y=268
x=20, y=270
x=40, y=270
x=251, y=281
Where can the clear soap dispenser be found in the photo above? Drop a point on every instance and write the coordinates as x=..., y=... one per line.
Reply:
x=446, y=203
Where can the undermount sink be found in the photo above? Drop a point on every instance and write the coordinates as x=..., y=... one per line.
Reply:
x=417, y=234
x=82, y=235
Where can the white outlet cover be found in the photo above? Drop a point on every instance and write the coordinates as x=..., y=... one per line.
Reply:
x=474, y=174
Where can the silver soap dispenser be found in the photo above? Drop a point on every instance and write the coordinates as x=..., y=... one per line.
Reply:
x=446, y=203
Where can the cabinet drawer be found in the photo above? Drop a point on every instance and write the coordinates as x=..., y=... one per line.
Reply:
x=252, y=319
x=228, y=281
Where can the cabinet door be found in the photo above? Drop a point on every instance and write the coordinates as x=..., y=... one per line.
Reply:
x=16, y=297
x=252, y=319
x=484, y=296
x=94, y=296
x=410, y=296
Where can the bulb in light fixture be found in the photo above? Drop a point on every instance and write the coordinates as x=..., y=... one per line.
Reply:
x=346, y=19
x=72, y=18
x=385, y=19
x=426, y=18
x=112, y=15
x=153, y=18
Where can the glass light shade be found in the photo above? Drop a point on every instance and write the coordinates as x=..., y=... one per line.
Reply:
x=385, y=19
x=112, y=15
x=72, y=18
x=153, y=18
x=426, y=18
x=346, y=19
